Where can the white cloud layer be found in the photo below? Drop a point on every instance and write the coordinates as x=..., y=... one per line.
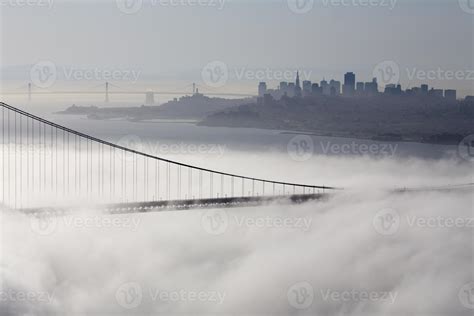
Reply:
x=362, y=252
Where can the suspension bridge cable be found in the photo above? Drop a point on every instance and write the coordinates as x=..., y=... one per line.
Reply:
x=93, y=139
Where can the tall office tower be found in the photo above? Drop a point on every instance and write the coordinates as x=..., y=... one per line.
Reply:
x=450, y=94
x=284, y=88
x=424, y=88
x=360, y=88
x=297, y=85
x=371, y=88
x=306, y=88
x=335, y=87
x=325, y=89
x=291, y=89
x=438, y=93
x=315, y=89
x=262, y=89
x=349, y=84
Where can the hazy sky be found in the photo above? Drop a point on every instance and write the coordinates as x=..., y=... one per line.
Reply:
x=178, y=41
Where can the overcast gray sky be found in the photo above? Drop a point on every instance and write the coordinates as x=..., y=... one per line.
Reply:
x=163, y=41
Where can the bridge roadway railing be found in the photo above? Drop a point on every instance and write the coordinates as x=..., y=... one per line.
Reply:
x=45, y=163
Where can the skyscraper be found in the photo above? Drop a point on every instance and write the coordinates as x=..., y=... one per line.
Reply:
x=315, y=89
x=424, y=88
x=297, y=85
x=284, y=88
x=349, y=84
x=450, y=94
x=262, y=89
x=335, y=87
x=306, y=88
x=360, y=88
x=371, y=88
x=325, y=87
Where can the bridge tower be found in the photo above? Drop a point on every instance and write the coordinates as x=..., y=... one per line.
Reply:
x=29, y=91
x=106, y=92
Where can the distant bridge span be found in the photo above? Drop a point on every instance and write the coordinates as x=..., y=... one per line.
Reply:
x=81, y=92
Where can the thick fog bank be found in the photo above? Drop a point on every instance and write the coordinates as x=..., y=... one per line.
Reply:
x=362, y=252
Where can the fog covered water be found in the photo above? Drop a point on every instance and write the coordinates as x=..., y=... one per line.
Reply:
x=365, y=251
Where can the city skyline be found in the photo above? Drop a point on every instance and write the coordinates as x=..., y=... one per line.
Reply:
x=351, y=88
x=169, y=51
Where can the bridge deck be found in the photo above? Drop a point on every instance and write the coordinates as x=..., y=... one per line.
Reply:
x=161, y=206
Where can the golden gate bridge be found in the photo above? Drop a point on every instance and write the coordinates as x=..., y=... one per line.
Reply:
x=48, y=166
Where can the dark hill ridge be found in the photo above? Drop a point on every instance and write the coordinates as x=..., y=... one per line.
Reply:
x=381, y=118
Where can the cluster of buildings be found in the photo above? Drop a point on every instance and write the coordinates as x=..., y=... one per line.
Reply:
x=350, y=88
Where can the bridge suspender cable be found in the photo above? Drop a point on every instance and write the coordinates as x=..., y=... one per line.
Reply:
x=136, y=153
